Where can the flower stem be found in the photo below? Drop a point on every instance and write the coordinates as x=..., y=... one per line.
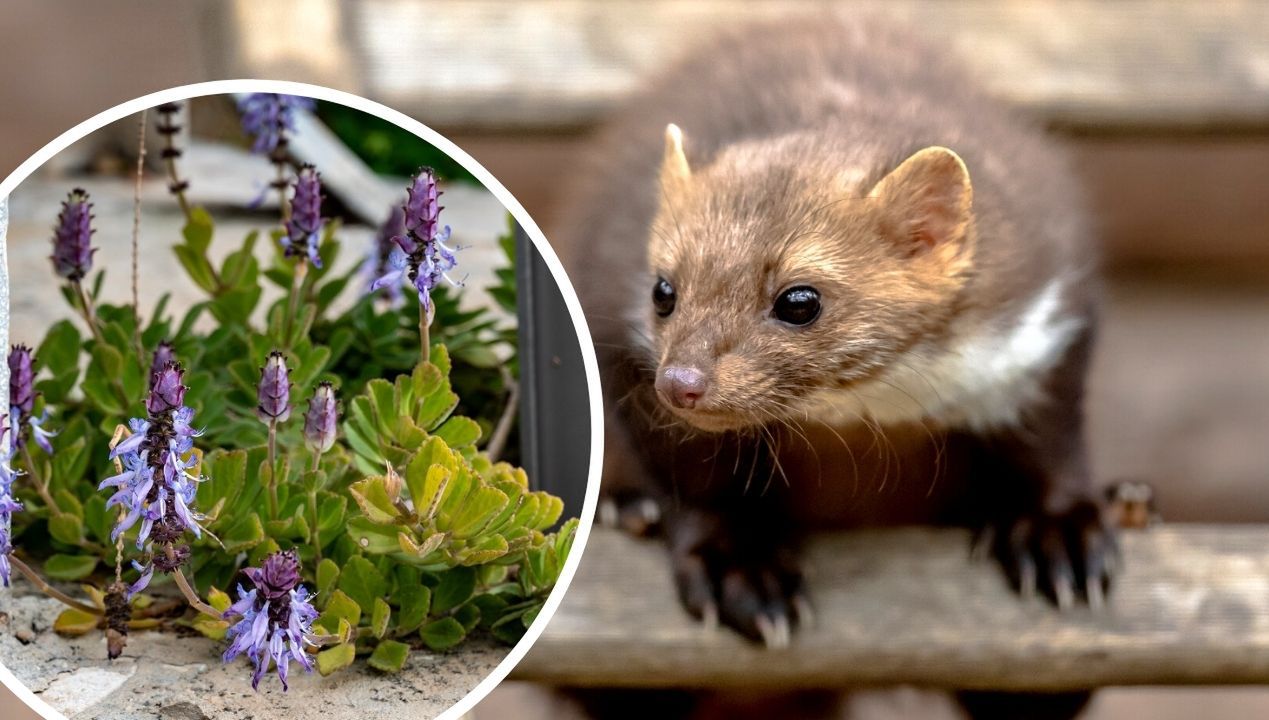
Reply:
x=312, y=507
x=136, y=244
x=86, y=310
x=273, y=469
x=192, y=597
x=425, y=338
x=51, y=591
x=41, y=486
x=498, y=439
x=293, y=300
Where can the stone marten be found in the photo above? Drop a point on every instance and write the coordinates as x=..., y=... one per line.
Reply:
x=831, y=282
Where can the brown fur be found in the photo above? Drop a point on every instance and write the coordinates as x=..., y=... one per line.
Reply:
x=814, y=152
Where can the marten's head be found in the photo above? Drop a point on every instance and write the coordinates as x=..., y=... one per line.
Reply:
x=775, y=279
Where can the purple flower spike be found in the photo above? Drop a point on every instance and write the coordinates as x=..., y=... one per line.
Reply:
x=164, y=355
x=157, y=484
x=274, y=391
x=22, y=402
x=422, y=208
x=273, y=622
x=72, y=238
x=8, y=505
x=267, y=117
x=167, y=389
x=322, y=419
x=422, y=254
x=304, y=228
x=22, y=379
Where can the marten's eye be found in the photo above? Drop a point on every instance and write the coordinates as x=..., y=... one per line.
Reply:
x=663, y=297
x=797, y=306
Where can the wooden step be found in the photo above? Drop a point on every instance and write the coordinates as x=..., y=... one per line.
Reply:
x=907, y=606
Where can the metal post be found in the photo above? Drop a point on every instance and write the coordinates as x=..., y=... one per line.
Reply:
x=554, y=404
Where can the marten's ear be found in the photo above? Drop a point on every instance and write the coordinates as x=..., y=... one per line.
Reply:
x=674, y=168
x=927, y=202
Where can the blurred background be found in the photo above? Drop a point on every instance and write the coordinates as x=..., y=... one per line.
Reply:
x=1164, y=106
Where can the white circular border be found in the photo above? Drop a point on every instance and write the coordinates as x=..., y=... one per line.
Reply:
x=226, y=87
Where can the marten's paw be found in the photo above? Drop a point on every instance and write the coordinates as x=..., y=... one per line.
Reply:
x=1067, y=556
x=634, y=512
x=762, y=599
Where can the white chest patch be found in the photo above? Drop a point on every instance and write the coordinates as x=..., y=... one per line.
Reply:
x=981, y=382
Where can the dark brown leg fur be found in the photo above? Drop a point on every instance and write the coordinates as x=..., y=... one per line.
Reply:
x=1042, y=520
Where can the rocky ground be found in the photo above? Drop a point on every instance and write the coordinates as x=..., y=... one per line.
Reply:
x=163, y=675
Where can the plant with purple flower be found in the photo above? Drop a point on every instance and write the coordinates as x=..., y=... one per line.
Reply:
x=22, y=402
x=422, y=253
x=72, y=238
x=273, y=396
x=268, y=117
x=155, y=485
x=304, y=226
x=273, y=622
x=321, y=421
x=8, y=505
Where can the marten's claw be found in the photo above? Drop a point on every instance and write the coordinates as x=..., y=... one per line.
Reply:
x=763, y=602
x=1067, y=557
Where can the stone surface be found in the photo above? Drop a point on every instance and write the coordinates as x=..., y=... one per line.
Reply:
x=182, y=678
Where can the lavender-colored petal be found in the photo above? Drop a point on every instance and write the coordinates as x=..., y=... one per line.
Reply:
x=142, y=583
x=130, y=444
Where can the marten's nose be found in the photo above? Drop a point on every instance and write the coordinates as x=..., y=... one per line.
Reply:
x=683, y=387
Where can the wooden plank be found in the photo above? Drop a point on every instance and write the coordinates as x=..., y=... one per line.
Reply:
x=1156, y=199
x=906, y=606
x=552, y=63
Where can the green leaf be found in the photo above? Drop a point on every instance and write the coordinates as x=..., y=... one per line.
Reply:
x=480, y=506
x=372, y=538
x=389, y=656
x=219, y=599
x=458, y=432
x=69, y=567
x=442, y=634
x=98, y=521
x=362, y=581
x=413, y=603
x=72, y=622
x=338, y=607
x=336, y=658
x=379, y=618
x=210, y=627
x=455, y=588
x=375, y=501
x=105, y=368
x=244, y=535
x=330, y=513
x=66, y=528
x=468, y=616
x=327, y=575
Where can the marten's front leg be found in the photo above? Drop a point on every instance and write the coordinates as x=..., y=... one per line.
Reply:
x=731, y=565
x=727, y=524
x=1044, y=522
